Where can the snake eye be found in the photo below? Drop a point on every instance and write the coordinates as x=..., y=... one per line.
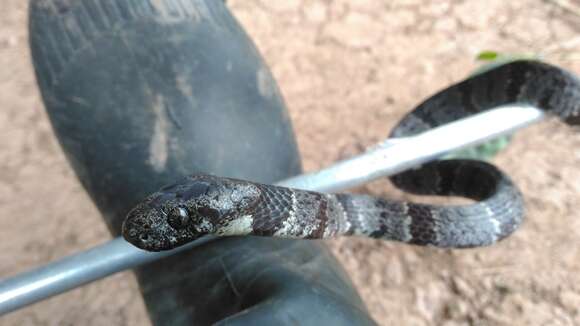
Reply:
x=178, y=217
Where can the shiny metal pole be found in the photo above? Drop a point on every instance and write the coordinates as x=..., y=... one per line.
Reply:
x=398, y=154
x=389, y=157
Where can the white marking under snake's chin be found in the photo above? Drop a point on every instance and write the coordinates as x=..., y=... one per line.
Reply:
x=238, y=226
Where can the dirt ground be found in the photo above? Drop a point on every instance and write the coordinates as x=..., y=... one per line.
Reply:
x=348, y=71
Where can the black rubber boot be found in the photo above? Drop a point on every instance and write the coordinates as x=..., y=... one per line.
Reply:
x=142, y=92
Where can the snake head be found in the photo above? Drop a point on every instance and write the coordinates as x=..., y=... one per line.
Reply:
x=182, y=212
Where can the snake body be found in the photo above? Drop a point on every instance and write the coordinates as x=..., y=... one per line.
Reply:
x=203, y=204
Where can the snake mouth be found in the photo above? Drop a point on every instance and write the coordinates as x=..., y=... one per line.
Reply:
x=149, y=241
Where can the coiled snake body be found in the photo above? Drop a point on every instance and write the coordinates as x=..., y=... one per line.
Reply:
x=204, y=204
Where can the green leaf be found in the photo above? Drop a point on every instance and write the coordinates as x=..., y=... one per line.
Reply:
x=487, y=55
x=484, y=152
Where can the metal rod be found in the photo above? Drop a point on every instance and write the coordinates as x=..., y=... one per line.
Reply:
x=76, y=270
x=392, y=156
x=398, y=154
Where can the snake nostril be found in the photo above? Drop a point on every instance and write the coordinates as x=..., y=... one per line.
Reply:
x=144, y=237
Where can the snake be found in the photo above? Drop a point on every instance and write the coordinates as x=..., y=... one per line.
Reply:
x=203, y=204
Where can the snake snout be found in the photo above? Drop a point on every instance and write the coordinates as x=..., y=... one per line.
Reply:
x=146, y=240
x=141, y=234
